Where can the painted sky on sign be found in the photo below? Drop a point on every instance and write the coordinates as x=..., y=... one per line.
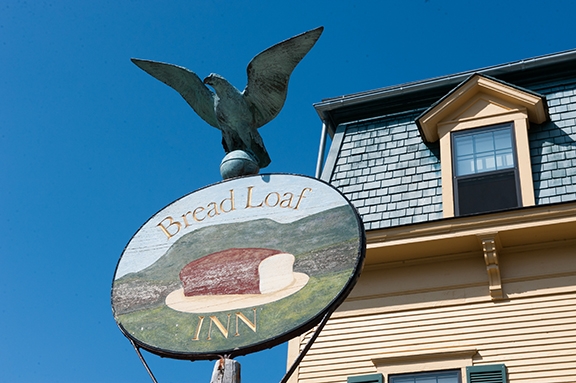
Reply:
x=306, y=197
x=91, y=146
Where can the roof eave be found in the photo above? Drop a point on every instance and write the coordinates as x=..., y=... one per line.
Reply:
x=327, y=108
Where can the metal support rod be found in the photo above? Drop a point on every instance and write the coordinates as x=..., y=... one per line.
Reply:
x=137, y=349
x=305, y=349
x=321, y=150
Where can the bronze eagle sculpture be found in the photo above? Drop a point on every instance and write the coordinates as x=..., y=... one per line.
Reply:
x=239, y=114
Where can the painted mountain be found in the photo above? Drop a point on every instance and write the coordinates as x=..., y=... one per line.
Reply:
x=326, y=247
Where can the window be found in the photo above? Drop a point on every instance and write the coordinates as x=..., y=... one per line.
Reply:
x=484, y=170
x=494, y=373
x=452, y=376
x=371, y=378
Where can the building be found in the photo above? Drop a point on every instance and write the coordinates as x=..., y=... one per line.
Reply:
x=467, y=188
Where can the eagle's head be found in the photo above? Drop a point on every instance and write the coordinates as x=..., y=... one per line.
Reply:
x=214, y=79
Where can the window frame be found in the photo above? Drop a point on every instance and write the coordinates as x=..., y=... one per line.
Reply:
x=415, y=361
x=515, y=169
x=458, y=371
x=519, y=123
x=369, y=378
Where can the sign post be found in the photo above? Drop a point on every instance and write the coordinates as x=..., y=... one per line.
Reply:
x=226, y=371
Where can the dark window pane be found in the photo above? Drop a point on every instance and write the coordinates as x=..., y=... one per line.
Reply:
x=485, y=193
x=451, y=376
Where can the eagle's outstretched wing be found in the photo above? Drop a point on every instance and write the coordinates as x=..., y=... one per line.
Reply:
x=187, y=83
x=269, y=72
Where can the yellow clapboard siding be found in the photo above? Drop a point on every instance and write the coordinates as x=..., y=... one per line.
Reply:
x=382, y=349
x=445, y=335
x=433, y=330
x=541, y=350
x=335, y=373
x=503, y=311
x=473, y=307
x=563, y=341
x=464, y=321
x=488, y=315
x=457, y=334
x=548, y=379
x=558, y=333
x=564, y=370
x=311, y=368
x=537, y=333
x=327, y=379
x=563, y=331
x=523, y=360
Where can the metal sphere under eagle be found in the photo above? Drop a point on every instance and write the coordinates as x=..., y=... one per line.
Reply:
x=239, y=114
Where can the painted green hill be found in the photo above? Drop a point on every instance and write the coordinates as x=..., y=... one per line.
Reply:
x=321, y=244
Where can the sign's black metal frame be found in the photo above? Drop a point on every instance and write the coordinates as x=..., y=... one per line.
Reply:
x=319, y=319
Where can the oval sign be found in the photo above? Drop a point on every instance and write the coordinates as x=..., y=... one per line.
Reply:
x=238, y=266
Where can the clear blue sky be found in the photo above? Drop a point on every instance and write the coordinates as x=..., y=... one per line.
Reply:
x=91, y=146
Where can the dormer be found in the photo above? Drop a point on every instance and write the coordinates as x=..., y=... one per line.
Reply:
x=482, y=126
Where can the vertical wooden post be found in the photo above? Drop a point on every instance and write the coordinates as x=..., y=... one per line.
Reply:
x=226, y=371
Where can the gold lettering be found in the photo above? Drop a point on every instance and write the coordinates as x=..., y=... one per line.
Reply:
x=231, y=199
x=185, y=219
x=249, y=199
x=268, y=196
x=288, y=201
x=243, y=318
x=165, y=228
x=300, y=197
x=219, y=325
x=213, y=211
x=196, y=211
x=198, y=328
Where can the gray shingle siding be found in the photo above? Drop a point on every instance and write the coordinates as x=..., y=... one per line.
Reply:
x=394, y=178
x=391, y=176
x=553, y=147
